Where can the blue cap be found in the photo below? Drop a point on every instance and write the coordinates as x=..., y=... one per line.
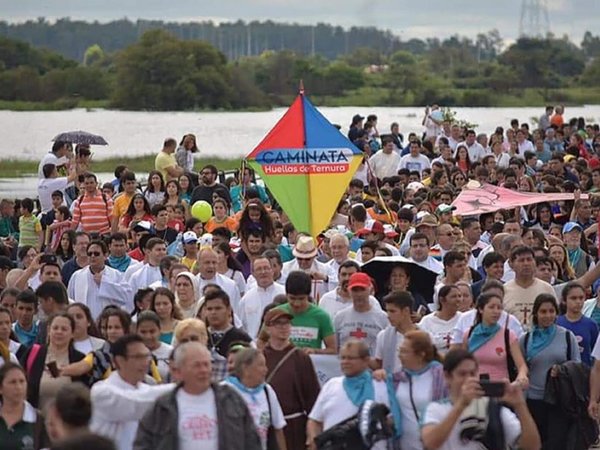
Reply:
x=570, y=226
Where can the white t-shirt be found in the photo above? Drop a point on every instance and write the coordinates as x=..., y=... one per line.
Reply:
x=519, y=301
x=197, y=424
x=440, y=330
x=384, y=164
x=351, y=324
x=162, y=354
x=421, y=396
x=50, y=158
x=467, y=319
x=333, y=405
x=436, y=412
x=332, y=302
x=259, y=409
x=46, y=187
x=418, y=163
x=380, y=351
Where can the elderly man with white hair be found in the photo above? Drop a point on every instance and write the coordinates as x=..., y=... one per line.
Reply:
x=207, y=266
x=339, y=246
x=204, y=415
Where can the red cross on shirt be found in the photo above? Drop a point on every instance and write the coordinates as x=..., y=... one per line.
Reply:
x=359, y=333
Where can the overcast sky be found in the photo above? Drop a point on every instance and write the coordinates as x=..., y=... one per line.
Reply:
x=408, y=19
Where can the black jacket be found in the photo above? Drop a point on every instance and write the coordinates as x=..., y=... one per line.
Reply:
x=36, y=369
x=158, y=429
x=569, y=391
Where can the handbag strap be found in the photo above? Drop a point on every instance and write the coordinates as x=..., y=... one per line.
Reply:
x=269, y=405
x=280, y=363
x=412, y=401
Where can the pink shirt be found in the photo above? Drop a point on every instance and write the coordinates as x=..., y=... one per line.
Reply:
x=492, y=355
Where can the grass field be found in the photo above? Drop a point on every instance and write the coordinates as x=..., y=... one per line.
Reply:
x=142, y=164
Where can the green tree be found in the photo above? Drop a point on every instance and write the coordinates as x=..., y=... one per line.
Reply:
x=591, y=75
x=166, y=73
x=93, y=55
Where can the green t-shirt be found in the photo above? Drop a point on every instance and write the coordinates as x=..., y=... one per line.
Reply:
x=309, y=328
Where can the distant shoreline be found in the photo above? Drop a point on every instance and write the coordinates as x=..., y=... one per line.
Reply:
x=371, y=96
x=14, y=168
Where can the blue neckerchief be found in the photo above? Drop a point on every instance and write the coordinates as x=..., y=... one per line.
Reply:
x=414, y=373
x=252, y=392
x=27, y=338
x=481, y=335
x=359, y=388
x=394, y=405
x=540, y=339
x=120, y=263
x=574, y=256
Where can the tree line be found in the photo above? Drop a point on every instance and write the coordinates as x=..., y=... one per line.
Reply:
x=162, y=71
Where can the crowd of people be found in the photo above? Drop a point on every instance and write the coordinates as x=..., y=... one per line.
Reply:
x=128, y=323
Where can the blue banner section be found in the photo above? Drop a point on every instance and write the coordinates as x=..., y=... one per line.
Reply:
x=319, y=133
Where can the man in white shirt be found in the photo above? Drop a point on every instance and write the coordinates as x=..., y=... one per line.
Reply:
x=415, y=160
x=204, y=415
x=339, y=298
x=339, y=246
x=475, y=149
x=455, y=137
x=360, y=320
x=149, y=273
x=385, y=162
x=520, y=293
x=120, y=401
x=98, y=285
x=524, y=144
x=207, y=266
x=58, y=156
x=254, y=301
x=52, y=182
x=419, y=253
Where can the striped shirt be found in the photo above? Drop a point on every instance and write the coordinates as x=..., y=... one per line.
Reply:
x=92, y=213
x=29, y=231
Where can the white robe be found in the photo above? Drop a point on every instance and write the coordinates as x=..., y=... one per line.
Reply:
x=253, y=304
x=113, y=290
x=319, y=287
x=144, y=277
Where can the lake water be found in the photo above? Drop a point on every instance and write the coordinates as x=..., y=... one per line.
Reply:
x=28, y=135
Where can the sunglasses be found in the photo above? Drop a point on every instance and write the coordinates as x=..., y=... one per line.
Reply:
x=94, y=254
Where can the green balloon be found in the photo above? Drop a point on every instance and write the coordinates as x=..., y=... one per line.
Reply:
x=202, y=210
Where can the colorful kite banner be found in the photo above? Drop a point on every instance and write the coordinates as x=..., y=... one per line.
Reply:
x=307, y=164
x=476, y=198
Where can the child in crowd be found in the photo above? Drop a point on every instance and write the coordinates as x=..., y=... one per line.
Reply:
x=30, y=228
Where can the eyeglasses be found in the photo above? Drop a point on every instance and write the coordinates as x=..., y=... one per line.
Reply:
x=280, y=323
x=94, y=254
x=303, y=259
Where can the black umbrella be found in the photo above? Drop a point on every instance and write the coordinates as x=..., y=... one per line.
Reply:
x=81, y=137
x=422, y=280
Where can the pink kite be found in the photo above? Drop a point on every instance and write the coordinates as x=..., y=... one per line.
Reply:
x=476, y=198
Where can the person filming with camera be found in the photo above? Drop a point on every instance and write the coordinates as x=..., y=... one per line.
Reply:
x=473, y=416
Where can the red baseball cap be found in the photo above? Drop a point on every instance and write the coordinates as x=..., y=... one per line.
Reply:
x=360, y=279
x=373, y=227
